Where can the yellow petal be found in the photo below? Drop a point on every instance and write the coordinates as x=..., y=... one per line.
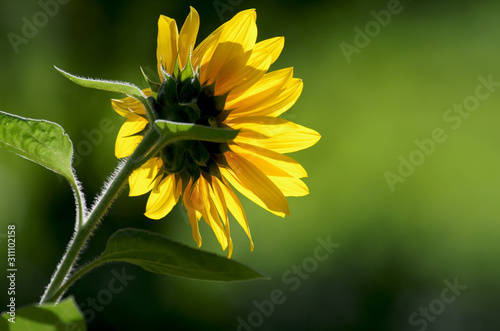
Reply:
x=271, y=163
x=236, y=209
x=219, y=200
x=229, y=241
x=290, y=187
x=130, y=106
x=274, y=133
x=162, y=198
x=166, y=51
x=127, y=141
x=240, y=78
x=274, y=46
x=241, y=29
x=275, y=105
x=204, y=51
x=210, y=213
x=237, y=37
x=268, y=87
x=252, y=183
x=192, y=202
x=143, y=179
x=187, y=36
x=194, y=224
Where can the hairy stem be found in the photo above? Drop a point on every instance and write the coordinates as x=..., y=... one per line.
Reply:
x=60, y=281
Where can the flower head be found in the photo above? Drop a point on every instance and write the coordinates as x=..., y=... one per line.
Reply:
x=223, y=82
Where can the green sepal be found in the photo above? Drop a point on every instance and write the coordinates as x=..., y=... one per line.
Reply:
x=199, y=153
x=177, y=70
x=167, y=95
x=185, y=113
x=192, y=168
x=189, y=84
x=187, y=74
x=164, y=72
x=212, y=168
x=185, y=177
x=221, y=160
x=189, y=92
x=149, y=76
x=173, y=156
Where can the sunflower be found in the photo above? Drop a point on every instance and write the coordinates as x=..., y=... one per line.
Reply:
x=223, y=82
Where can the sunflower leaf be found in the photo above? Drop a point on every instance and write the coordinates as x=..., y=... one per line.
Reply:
x=158, y=254
x=188, y=131
x=40, y=141
x=46, y=317
x=106, y=85
x=112, y=86
x=44, y=143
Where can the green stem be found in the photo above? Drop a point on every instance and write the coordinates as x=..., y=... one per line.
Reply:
x=60, y=278
x=75, y=276
x=80, y=201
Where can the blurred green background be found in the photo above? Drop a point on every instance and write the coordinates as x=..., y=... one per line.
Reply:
x=399, y=249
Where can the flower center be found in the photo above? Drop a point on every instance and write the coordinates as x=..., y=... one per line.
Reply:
x=181, y=98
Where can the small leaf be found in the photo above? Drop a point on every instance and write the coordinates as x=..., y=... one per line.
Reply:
x=189, y=131
x=47, y=317
x=106, y=85
x=40, y=141
x=113, y=86
x=158, y=254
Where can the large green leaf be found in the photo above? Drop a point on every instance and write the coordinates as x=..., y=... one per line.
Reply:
x=158, y=254
x=65, y=316
x=40, y=141
x=190, y=131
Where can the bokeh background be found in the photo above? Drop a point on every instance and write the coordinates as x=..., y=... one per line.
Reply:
x=400, y=248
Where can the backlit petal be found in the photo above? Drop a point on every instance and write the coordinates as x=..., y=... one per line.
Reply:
x=236, y=209
x=130, y=106
x=187, y=36
x=274, y=46
x=219, y=200
x=194, y=224
x=274, y=133
x=267, y=88
x=240, y=78
x=204, y=51
x=237, y=37
x=210, y=213
x=290, y=187
x=127, y=140
x=271, y=163
x=273, y=106
x=166, y=51
x=255, y=185
x=143, y=179
x=162, y=198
